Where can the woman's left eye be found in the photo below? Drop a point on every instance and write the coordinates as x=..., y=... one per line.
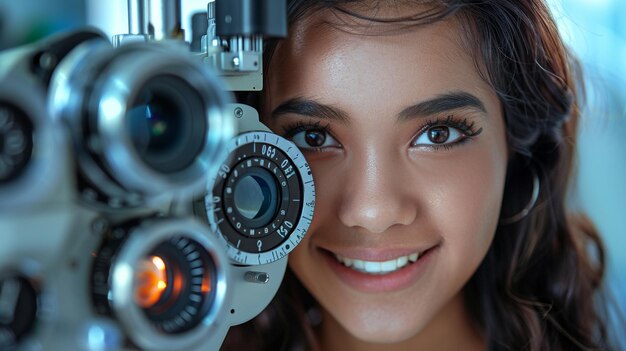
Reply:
x=313, y=139
x=438, y=135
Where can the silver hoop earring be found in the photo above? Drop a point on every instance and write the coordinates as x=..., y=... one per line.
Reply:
x=529, y=206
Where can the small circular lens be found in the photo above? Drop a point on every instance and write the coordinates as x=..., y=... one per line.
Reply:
x=18, y=310
x=167, y=124
x=256, y=196
x=173, y=285
x=16, y=142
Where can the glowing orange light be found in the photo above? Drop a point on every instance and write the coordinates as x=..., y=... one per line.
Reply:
x=206, y=285
x=151, y=281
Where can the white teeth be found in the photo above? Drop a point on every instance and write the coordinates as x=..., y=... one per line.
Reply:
x=373, y=267
x=389, y=266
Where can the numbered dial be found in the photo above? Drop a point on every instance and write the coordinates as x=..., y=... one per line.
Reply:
x=18, y=310
x=262, y=198
x=16, y=142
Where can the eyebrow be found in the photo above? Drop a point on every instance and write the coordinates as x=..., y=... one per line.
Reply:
x=441, y=103
x=311, y=108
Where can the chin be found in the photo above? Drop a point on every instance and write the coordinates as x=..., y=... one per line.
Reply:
x=383, y=334
x=381, y=328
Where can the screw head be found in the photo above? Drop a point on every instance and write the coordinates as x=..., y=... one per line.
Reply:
x=238, y=112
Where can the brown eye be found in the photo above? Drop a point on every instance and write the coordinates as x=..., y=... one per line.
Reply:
x=444, y=133
x=438, y=134
x=315, y=138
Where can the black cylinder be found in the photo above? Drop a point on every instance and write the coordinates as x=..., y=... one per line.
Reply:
x=251, y=17
x=199, y=26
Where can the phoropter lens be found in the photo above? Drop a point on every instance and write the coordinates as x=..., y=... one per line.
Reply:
x=167, y=124
x=148, y=121
x=263, y=198
x=173, y=285
x=164, y=280
x=16, y=142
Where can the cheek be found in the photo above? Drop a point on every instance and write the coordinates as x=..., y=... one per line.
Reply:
x=466, y=206
x=299, y=258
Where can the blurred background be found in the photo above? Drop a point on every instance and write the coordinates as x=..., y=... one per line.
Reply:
x=594, y=29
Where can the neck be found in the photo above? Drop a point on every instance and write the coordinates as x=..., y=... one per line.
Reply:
x=451, y=329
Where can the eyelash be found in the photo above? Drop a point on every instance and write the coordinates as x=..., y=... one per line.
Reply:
x=463, y=125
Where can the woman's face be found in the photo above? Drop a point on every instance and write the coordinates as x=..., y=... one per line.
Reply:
x=407, y=147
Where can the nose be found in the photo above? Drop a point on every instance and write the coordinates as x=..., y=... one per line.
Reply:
x=375, y=196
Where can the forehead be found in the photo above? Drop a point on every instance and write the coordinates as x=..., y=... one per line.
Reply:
x=326, y=55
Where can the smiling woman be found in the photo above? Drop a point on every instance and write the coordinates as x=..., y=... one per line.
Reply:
x=440, y=135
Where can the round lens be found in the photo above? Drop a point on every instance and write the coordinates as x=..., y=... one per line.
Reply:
x=256, y=197
x=167, y=124
x=174, y=285
x=16, y=142
x=18, y=310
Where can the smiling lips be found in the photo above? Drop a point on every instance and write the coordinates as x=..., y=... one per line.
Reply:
x=370, y=274
x=377, y=267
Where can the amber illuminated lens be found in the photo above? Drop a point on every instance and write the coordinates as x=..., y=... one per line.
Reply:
x=173, y=285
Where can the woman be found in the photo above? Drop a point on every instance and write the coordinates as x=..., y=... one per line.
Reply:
x=441, y=137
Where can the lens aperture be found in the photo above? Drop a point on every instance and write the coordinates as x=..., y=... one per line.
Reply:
x=173, y=285
x=256, y=197
x=167, y=124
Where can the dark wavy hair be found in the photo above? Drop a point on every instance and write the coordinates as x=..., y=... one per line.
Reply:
x=539, y=286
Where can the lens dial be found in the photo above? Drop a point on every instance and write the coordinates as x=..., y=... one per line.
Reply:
x=16, y=142
x=18, y=310
x=262, y=198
